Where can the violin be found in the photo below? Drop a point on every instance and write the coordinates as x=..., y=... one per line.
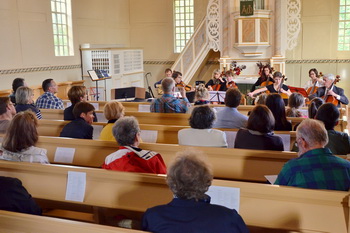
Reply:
x=183, y=85
x=329, y=98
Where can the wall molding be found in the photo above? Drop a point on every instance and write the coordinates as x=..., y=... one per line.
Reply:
x=39, y=69
x=315, y=61
x=158, y=62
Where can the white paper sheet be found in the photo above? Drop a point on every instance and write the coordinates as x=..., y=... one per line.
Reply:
x=101, y=117
x=271, y=178
x=286, y=141
x=230, y=138
x=225, y=196
x=305, y=112
x=64, y=155
x=76, y=184
x=144, y=108
x=96, y=106
x=97, y=131
x=68, y=104
x=149, y=136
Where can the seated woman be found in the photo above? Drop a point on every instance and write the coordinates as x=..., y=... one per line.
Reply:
x=314, y=106
x=24, y=101
x=129, y=157
x=276, y=87
x=201, y=132
x=20, y=139
x=265, y=76
x=112, y=110
x=259, y=132
x=295, y=102
x=76, y=94
x=217, y=83
x=275, y=103
x=189, y=177
x=80, y=127
x=201, y=95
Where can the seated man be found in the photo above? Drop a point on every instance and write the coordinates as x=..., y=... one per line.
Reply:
x=316, y=167
x=48, y=100
x=168, y=73
x=7, y=111
x=129, y=157
x=16, y=83
x=331, y=90
x=338, y=142
x=168, y=103
x=80, y=127
x=229, y=117
x=190, y=211
x=14, y=197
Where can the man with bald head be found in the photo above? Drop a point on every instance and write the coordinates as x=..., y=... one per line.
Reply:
x=168, y=103
x=316, y=167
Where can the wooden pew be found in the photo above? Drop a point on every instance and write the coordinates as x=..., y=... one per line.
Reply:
x=23, y=223
x=166, y=134
x=232, y=164
x=295, y=209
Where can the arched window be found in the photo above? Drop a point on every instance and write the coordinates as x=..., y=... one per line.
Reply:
x=344, y=26
x=183, y=23
x=62, y=27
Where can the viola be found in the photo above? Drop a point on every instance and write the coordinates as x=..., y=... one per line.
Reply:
x=183, y=85
x=329, y=98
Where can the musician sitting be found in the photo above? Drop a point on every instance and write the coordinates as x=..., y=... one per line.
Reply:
x=266, y=74
x=168, y=73
x=276, y=87
x=229, y=79
x=177, y=76
x=217, y=83
x=314, y=81
x=330, y=90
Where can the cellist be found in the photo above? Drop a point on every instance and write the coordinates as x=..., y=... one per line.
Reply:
x=330, y=92
x=217, y=83
x=266, y=75
x=314, y=82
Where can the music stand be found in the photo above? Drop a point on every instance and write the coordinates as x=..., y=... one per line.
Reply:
x=95, y=78
x=217, y=96
x=299, y=90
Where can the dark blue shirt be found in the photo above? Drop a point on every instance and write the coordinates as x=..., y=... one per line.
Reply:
x=78, y=128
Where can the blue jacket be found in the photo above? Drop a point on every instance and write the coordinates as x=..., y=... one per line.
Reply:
x=78, y=128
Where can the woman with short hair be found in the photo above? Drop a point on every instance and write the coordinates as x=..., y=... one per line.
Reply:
x=129, y=157
x=24, y=101
x=259, y=133
x=189, y=178
x=20, y=139
x=112, y=110
x=201, y=132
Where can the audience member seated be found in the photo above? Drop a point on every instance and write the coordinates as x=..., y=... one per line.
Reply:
x=7, y=111
x=168, y=74
x=20, y=139
x=48, y=100
x=112, y=110
x=80, y=127
x=259, y=133
x=168, y=103
x=295, y=102
x=201, y=95
x=201, y=132
x=189, y=179
x=314, y=106
x=261, y=99
x=276, y=104
x=229, y=117
x=129, y=157
x=316, y=167
x=24, y=101
x=14, y=197
x=76, y=94
x=331, y=90
x=338, y=142
x=16, y=83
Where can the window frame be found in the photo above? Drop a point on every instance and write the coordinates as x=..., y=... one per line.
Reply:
x=343, y=44
x=183, y=23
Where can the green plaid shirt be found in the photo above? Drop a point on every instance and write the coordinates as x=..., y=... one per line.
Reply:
x=316, y=169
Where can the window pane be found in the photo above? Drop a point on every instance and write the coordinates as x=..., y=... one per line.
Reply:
x=184, y=23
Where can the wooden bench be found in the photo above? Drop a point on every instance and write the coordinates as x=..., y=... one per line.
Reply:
x=24, y=223
x=261, y=205
x=233, y=164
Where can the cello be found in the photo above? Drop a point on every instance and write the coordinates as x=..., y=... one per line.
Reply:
x=312, y=90
x=329, y=98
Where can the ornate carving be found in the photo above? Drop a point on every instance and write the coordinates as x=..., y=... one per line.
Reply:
x=293, y=23
x=213, y=24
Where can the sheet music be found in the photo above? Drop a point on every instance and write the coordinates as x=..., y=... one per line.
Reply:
x=149, y=136
x=76, y=184
x=286, y=141
x=217, y=96
x=144, y=108
x=64, y=155
x=271, y=178
x=225, y=196
x=230, y=138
